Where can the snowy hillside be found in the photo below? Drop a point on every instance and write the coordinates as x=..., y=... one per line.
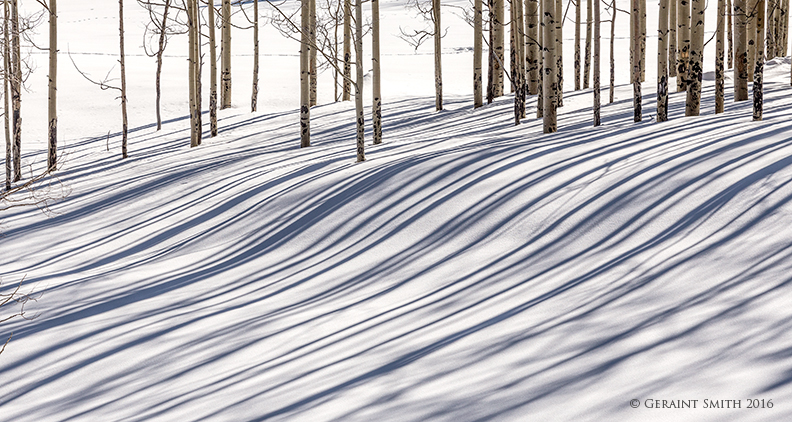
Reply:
x=469, y=270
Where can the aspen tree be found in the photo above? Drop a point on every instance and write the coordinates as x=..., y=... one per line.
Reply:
x=521, y=48
x=478, y=33
x=225, y=59
x=312, y=36
x=6, y=109
x=125, y=123
x=498, y=35
x=577, y=44
x=758, y=101
x=770, y=28
x=540, y=62
x=212, y=70
x=719, y=70
x=750, y=37
x=730, y=34
x=683, y=44
x=16, y=90
x=559, y=52
x=741, y=53
x=597, y=62
x=636, y=60
x=345, y=96
x=662, y=62
x=642, y=16
x=693, y=102
x=361, y=155
x=550, y=74
x=254, y=96
x=163, y=36
x=376, y=109
x=52, y=111
x=587, y=54
x=533, y=59
x=491, y=62
x=193, y=31
x=513, y=54
x=612, y=59
x=305, y=76
x=438, y=65
x=672, y=38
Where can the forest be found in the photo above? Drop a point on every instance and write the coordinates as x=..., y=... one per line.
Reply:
x=402, y=210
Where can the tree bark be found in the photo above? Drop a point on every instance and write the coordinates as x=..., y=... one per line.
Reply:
x=345, y=96
x=672, y=38
x=225, y=60
x=597, y=62
x=758, y=100
x=254, y=96
x=550, y=76
x=305, y=76
x=559, y=52
x=750, y=36
x=212, y=70
x=125, y=123
x=730, y=33
x=771, y=39
x=160, y=51
x=693, y=103
x=612, y=60
x=194, y=92
x=532, y=15
x=587, y=54
x=662, y=62
x=376, y=109
x=683, y=43
x=642, y=5
x=16, y=90
x=438, y=64
x=52, y=111
x=312, y=34
x=361, y=155
x=636, y=60
x=577, y=44
x=498, y=33
x=741, y=53
x=719, y=70
x=6, y=109
x=478, y=33
x=540, y=60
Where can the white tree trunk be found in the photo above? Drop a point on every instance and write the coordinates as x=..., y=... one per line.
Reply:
x=305, y=76
x=361, y=153
x=662, y=62
x=550, y=76
x=376, y=109
x=587, y=54
x=254, y=96
x=125, y=122
x=498, y=46
x=741, y=52
x=750, y=37
x=6, y=108
x=559, y=52
x=612, y=60
x=225, y=60
x=672, y=38
x=532, y=16
x=160, y=51
x=345, y=96
x=212, y=70
x=693, y=102
x=636, y=60
x=597, y=63
x=438, y=51
x=478, y=32
x=683, y=43
x=719, y=70
x=576, y=56
x=758, y=100
x=16, y=90
x=52, y=111
x=312, y=34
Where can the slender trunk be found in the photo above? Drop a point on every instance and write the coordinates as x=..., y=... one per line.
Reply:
x=770, y=26
x=478, y=97
x=254, y=96
x=193, y=40
x=532, y=16
x=376, y=109
x=522, y=85
x=225, y=60
x=642, y=63
x=612, y=60
x=212, y=70
x=52, y=112
x=597, y=62
x=16, y=90
x=693, y=102
x=741, y=53
x=305, y=76
x=758, y=102
x=124, y=123
x=559, y=52
x=491, y=63
x=438, y=65
x=750, y=37
x=334, y=49
x=577, y=44
x=6, y=108
x=587, y=58
x=361, y=155
x=719, y=71
x=347, y=51
x=672, y=38
x=513, y=53
x=540, y=60
x=662, y=62
x=730, y=33
x=683, y=22
x=784, y=25
x=550, y=82
x=498, y=34
x=636, y=60
x=160, y=51
x=312, y=34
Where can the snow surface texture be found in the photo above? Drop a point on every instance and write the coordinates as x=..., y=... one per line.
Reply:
x=469, y=270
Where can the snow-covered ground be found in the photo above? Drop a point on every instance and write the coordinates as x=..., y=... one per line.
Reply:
x=468, y=270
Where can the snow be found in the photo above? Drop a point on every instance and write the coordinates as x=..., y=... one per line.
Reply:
x=469, y=270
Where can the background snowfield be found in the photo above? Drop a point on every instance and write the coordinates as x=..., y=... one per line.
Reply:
x=469, y=270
